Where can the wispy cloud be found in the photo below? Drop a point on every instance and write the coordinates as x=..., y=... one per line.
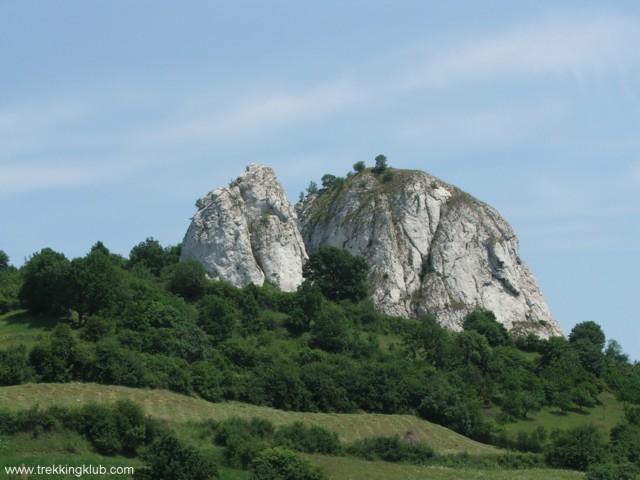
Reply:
x=582, y=47
x=25, y=178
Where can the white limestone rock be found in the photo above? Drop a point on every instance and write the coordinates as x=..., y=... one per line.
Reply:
x=247, y=233
x=431, y=249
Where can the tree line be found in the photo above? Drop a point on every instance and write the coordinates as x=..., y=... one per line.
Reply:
x=151, y=321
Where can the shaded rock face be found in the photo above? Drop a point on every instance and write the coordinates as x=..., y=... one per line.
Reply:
x=431, y=249
x=247, y=233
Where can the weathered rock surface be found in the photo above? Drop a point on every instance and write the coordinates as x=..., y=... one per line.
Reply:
x=247, y=233
x=431, y=249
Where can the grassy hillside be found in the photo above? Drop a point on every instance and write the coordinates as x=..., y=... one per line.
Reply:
x=22, y=327
x=354, y=469
x=604, y=417
x=177, y=408
x=50, y=448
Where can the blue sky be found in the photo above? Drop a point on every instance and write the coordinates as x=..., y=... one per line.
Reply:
x=116, y=116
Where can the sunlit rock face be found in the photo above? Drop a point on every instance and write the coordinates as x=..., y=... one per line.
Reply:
x=247, y=233
x=431, y=248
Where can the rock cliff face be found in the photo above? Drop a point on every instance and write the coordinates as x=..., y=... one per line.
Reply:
x=247, y=233
x=430, y=247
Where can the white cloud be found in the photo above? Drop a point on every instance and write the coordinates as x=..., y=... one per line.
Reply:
x=581, y=47
x=24, y=178
x=259, y=113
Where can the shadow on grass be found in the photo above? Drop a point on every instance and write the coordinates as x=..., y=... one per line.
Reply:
x=29, y=320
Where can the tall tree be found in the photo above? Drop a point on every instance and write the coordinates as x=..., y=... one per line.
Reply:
x=93, y=283
x=4, y=260
x=340, y=275
x=45, y=275
x=381, y=164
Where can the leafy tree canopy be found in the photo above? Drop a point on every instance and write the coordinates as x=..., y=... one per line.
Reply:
x=4, y=260
x=590, y=332
x=43, y=287
x=359, y=166
x=381, y=164
x=484, y=322
x=340, y=275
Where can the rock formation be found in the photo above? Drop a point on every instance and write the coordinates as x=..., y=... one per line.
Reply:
x=431, y=248
x=247, y=233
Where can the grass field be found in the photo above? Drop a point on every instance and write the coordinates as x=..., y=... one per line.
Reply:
x=55, y=449
x=604, y=417
x=20, y=327
x=354, y=469
x=179, y=409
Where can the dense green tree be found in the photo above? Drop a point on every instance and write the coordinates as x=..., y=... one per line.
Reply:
x=328, y=385
x=484, y=322
x=4, y=260
x=188, y=279
x=576, y=449
x=281, y=464
x=216, y=316
x=330, y=331
x=590, y=332
x=43, y=288
x=588, y=339
x=381, y=164
x=168, y=459
x=93, y=284
x=328, y=181
x=306, y=303
x=56, y=360
x=448, y=401
x=473, y=349
x=426, y=339
x=615, y=353
x=14, y=365
x=10, y=284
x=340, y=275
x=359, y=166
x=613, y=471
x=152, y=256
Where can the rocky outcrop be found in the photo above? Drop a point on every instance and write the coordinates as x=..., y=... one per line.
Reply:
x=431, y=248
x=247, y=233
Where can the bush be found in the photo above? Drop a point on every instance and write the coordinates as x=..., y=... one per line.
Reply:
x=576, y=449
x=168, y=458
x=390, y=449
x=242, y=440
x=314, y=439
x=612, y=471
x=282, y=464
x=14, y=366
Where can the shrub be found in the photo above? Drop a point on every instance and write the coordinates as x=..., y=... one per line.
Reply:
x=577, y=449
x=612, y=471
x=281, y=464
x=168, y=458
x=390, y=449
x=314, y=439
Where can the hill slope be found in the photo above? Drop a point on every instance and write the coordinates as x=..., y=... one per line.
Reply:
x=179, y=408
